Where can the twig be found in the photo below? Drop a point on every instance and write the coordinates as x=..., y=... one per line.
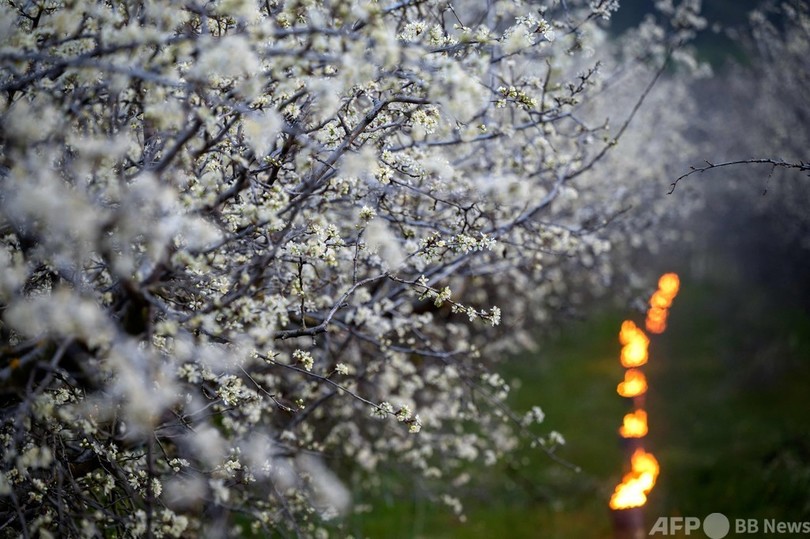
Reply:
x=627, y=121
x=320, y=328
x=801, y=165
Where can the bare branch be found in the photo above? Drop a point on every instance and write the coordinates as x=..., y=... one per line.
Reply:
x=801, y=166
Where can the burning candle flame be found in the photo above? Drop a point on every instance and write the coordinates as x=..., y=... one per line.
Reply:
x=634, y=425
x=633, y=490
x=657, y=314
x=661, y=300
x=634, y=351
x=669, y=284
x=629, y=332
x=636, y=485
x=634, y=354
x=635, y=384
x=656, y=320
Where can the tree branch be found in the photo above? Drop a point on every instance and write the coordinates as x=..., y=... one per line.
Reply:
x=801, y=166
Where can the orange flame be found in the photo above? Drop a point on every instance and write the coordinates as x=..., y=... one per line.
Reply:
x=634, y=351
x=657, y=314
x=634, y=425
x=633, y=490
x=669, y=284
x=656, y=320
x=635, y=384
x=661, y=300
x=656, y=326
x=629, y=332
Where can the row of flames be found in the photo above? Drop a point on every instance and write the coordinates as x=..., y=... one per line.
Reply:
x=637, y=484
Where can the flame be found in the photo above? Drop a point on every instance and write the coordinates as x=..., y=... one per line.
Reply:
x=660, y=300
x=646, y=465
x=629, y=332
x=633, y=490
x=657, y=314
x=656, y=319
x=635, y=383
x=634, y=425
x=669, y=284
x=628, y=495
x=634, y=353
x=656, y=326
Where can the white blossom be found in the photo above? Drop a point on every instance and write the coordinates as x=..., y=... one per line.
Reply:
x=230, y=230
x=382, y=241
x=262, y=129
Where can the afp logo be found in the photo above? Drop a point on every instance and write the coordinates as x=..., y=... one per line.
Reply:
x=715, y=526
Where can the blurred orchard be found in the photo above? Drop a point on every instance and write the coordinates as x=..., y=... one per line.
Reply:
x=250, y=249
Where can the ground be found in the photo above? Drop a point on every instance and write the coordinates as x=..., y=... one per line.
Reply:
x=727, y=414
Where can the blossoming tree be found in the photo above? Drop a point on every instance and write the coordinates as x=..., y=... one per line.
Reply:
x=246, y=245
x=753, y=164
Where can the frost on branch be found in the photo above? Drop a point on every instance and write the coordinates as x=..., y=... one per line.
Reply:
x=229, y=229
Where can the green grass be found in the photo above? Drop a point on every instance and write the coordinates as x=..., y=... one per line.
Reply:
x=728, y=423
x=730, y=398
